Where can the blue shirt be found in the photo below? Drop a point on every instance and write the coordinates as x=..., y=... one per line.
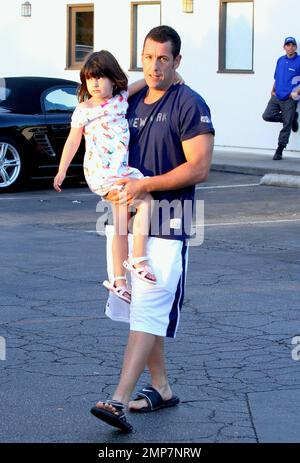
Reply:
x=286, y=73
x=157, y=131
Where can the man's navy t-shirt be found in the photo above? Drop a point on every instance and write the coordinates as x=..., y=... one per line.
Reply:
x=157, y=131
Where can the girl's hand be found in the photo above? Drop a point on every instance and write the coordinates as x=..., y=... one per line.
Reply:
x=178, y=79
x=58, y=181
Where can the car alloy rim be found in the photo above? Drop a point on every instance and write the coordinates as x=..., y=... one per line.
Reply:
x=10, y=164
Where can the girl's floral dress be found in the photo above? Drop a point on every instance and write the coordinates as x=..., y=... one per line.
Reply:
x=106, y=134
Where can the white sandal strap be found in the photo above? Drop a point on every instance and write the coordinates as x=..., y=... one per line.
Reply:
x=122, y=289
x=144, y=270
x=137, y=260
x=121, y=292
x=119, y=278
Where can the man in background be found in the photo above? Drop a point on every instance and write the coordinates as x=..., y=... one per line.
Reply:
x=284, y=95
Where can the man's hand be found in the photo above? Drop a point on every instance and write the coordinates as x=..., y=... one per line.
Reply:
x=295, y=95
x=133, y=189
x=116, y=196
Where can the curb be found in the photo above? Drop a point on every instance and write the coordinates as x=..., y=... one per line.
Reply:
x=235, y=169
x=292, y=181
x=250, y=170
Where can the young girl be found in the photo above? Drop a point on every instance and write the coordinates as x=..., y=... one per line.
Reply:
x=100, y=116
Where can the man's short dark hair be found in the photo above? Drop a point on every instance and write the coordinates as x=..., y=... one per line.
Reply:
x=164, y=34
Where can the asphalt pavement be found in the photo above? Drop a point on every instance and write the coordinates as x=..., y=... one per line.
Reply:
x=235, y=361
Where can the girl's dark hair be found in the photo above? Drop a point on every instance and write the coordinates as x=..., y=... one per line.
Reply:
x=164, y=34
x=101, y=64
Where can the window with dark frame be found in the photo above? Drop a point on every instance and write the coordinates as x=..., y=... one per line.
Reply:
x=144, y=16
x=236, y=34
x=80, y=34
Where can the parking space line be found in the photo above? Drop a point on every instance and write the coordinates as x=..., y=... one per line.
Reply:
x=220, y=224
x=226, y=186
x=254, y=222
x=42, y=196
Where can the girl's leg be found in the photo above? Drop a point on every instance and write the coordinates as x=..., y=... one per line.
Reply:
x=120, y=240
x=141, y=225
x=140, y=230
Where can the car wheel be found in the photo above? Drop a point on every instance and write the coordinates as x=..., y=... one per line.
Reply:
x=12, y=169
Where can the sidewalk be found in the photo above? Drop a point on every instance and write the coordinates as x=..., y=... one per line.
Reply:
x=255, y=164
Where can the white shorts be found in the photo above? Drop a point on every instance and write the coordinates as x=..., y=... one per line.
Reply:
x=156, y=308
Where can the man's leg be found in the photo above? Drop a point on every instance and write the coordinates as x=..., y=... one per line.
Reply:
x=145, y=348
x=273, y=112
x=158, y=372
x=139, y=347
x=156, y=359
x=288, y=108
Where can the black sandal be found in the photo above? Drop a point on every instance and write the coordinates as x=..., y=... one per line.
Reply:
x=118, y=420
x=154, y=400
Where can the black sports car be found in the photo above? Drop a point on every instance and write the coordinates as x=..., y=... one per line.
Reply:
x=35, y=115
